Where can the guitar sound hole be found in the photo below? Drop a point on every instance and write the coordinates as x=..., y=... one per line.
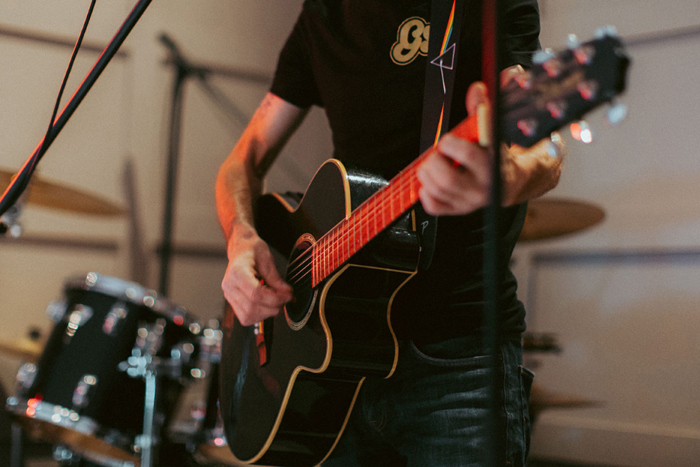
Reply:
x=299, y=277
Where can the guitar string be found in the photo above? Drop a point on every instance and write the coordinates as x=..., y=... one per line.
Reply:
x=405, y=185
x=366, y=213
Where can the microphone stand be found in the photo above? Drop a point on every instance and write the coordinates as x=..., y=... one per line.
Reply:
x=183, y=71
x=20, y=182
x=492, y=271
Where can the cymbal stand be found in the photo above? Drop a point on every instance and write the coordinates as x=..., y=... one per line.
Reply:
x=16, y=446
x=12, y=193
x=184, y=70
x=144, y=364
x=149, y=437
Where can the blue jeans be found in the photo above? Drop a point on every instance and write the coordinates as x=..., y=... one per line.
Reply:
x=434, y=411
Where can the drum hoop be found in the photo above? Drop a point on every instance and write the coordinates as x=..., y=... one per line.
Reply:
x=47, y=412
x=105, y=461
x=130, y=291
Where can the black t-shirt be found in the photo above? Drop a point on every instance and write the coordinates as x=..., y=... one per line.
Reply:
x=364, y=62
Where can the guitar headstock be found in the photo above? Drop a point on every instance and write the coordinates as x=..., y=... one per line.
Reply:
x=562, y=87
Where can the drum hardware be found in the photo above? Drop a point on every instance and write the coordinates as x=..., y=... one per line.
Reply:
x=25, y=377
x=67, y=458
x=203, y=431
x=75, y=397
x=56, y=310
x=9, y=221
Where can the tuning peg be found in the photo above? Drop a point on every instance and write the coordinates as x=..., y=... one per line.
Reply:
x=541, y=56
x=606, y=31
x=616, y=113
x=557, y=109
x=524, y=79
x=527, y=126
x=588, y=89
x=573, y=41
x=584, y=54
x=552, y=67
x=581, y=131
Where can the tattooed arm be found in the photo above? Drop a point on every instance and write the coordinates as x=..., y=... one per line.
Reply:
x=251, y=283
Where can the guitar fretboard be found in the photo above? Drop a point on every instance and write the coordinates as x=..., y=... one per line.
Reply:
x=365, y=223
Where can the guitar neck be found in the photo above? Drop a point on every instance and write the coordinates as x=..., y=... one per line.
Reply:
x=365, y=223
x=376, y=213
x=559, y=90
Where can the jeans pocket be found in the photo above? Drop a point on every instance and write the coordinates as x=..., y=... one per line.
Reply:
x=526, y=379
x=461, y=351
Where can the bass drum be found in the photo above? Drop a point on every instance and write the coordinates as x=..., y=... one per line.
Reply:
x=87, y=391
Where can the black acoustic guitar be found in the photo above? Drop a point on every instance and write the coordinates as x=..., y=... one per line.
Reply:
x=288, y=384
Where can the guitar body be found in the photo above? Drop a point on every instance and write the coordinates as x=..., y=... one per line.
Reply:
x=288, y=386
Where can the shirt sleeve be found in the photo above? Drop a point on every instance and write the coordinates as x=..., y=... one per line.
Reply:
x=294, y=78
x=520, y=23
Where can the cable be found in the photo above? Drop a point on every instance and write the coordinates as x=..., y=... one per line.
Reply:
x=21, y=181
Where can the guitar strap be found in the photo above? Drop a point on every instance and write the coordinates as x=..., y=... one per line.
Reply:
x=441, y=67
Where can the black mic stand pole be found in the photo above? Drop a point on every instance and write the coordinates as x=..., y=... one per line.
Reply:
x=19, y=184
x=492, y=271
x=183, y=71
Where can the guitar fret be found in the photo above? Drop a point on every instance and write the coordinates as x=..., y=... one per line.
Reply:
x=365, y=216
x=325, y=260
x=314, y=276
x=353, y=237
x=343, y=243
x=366, y=222
x=374, y=215
x=334, y=257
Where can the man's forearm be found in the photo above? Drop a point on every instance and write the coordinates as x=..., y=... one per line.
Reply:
x=237, y=186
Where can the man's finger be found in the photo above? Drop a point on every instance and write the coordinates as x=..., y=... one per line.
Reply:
x=476, y=95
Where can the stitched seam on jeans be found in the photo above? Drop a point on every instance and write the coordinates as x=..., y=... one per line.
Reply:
x=478, y=359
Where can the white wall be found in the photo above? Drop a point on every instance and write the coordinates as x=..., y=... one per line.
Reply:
x=621, y=297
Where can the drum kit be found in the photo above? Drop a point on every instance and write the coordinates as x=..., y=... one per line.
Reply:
x=111, y=374
x=105, y=386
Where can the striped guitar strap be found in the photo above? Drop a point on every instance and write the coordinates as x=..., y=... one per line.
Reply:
x=441, y=68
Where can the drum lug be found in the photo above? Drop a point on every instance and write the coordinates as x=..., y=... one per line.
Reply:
x=25, y=377
x=116, y=315
x=82, y=390
x=80, y=315
x=149, y=338
x=62, y=454
x=57, y=310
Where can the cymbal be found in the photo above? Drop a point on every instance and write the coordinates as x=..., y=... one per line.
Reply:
x=540, y=342
x=24, y=349
x=553, y=217
x=52, y=194
x=541, y=399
